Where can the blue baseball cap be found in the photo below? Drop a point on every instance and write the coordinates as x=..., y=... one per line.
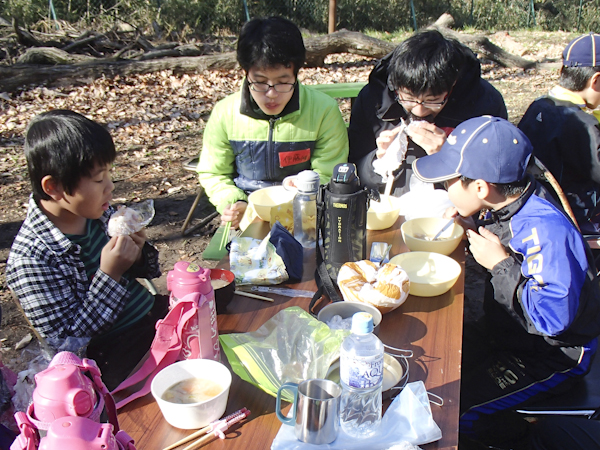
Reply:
x=487, y=148
x=583, y=51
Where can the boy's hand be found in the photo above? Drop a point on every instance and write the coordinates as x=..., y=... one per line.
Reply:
x=118, y=255
x=140, y=239
x=234, y=213
x=427, y=136
x=486, y=248
x=384, y=140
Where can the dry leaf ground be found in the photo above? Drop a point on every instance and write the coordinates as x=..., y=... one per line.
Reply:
x=157, y=122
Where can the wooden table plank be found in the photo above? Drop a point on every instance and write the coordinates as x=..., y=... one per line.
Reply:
x=430, y=327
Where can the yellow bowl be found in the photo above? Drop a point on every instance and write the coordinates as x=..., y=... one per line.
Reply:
x=430, y=274
x=383, y=214
x=264, y=199
x=417, y=235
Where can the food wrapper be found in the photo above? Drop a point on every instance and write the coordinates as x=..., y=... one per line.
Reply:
x=384, y=287
x=131, y=219
x=283, y=213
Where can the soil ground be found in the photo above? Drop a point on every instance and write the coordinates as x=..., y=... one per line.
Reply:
x=157, y=122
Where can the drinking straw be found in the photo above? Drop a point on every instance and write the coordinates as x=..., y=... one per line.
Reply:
x=225, y=235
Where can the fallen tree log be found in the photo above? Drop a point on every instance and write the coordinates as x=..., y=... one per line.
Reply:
x=482, y=45
x=343, y=41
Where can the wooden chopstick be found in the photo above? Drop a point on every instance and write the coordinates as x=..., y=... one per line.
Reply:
x=196, y=444
x=194, y=435
x=258, y=297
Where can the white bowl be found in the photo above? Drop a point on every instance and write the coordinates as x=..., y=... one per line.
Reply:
x=265, y=199
x=430, y=274
x=418, y=234
x=383, y=214
x=190, y=416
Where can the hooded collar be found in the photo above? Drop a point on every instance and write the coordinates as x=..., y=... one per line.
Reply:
x=390, y=110
x=504, y=214
x=248, y=106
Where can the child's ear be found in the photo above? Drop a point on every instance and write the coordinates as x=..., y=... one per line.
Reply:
x=595, y=82
x=52, y=187
x=482, y=189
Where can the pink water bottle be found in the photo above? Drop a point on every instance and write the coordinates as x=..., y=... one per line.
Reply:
x=201, y=336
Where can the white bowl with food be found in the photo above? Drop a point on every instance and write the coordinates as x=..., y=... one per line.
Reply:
x=384, y=213
x=266, y=198
x=192, y=393
x=418, y=235
x=430, y=274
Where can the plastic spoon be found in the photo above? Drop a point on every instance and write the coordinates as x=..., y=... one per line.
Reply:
x=444, y=228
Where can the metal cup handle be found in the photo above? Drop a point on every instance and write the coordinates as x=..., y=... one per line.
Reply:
x=287, y=420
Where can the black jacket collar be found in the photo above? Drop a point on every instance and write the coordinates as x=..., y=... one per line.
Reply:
x=249, y=108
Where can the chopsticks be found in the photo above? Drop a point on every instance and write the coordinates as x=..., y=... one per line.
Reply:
x=258, y=297
x=215, y=429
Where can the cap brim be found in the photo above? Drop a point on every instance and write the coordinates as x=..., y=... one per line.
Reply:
x=435, y=168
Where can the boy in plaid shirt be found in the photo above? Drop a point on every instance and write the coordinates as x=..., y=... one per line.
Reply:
x=71, y=279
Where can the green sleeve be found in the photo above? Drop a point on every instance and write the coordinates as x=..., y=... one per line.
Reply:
x=217, y=162
x=331, y=147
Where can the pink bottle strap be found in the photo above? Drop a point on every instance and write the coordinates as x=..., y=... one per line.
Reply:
x=28, y=438
x=165, y=348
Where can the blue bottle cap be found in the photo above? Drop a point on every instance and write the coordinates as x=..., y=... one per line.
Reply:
x=362, y=323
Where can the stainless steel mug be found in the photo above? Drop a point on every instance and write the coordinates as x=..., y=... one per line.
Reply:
x=315, y=412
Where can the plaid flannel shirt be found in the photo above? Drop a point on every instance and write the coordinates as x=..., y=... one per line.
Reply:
x=47, y=275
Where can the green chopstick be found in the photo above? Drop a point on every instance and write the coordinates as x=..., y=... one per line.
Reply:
x=225, y=235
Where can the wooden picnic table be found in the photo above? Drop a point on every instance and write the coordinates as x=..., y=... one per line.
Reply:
x=430, y=327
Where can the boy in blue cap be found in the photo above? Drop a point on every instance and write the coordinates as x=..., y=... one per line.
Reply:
x=564, y=130
x=542, y=301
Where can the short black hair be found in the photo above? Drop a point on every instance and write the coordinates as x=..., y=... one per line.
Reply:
x=270, y=42
x=67, y=146
x=505, y=189
x=575, y=78
x=426, y=63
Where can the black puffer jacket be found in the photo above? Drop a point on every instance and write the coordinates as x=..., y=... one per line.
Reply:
x=376, y=109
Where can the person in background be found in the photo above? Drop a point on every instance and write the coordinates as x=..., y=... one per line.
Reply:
x=541, y=324
x=563, y=127
x=273, y=126
x=71, y=279
x=428, y=79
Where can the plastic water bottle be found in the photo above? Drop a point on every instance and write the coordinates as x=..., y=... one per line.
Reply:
x=361, y=373
x=305, y=208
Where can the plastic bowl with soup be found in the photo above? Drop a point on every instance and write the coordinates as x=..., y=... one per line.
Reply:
x=266, y=198
x=384, y=213
x=192, y=393
x=418, y=235
x=223, y=283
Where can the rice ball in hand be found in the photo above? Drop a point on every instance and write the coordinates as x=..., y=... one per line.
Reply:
x=124, y=222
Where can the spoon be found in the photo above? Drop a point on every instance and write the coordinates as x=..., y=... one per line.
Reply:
x=385, y=254
x=444, y=228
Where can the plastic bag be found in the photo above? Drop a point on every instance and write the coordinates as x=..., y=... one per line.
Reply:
x=131, y=219
x=407, y=419
x=275, y=259
x=292, y=346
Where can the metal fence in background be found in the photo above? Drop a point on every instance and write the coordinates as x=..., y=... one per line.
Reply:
x=211, y=16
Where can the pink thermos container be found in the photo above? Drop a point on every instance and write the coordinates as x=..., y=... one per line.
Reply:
x=201, y=336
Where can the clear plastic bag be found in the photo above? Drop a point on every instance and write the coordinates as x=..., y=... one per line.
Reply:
x=292, y=346
x=131, y=219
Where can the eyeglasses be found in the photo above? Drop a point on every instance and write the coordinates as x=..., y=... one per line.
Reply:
x=425, y=104
x=281, y=88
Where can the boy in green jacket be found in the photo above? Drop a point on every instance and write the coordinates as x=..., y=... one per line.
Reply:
x=273, y=127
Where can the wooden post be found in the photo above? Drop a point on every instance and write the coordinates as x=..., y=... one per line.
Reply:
x=332, y=9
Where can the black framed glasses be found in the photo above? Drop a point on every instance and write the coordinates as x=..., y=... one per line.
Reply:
x=424, y=104
x=281, y=88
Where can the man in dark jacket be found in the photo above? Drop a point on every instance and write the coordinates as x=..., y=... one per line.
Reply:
x=426, y=78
